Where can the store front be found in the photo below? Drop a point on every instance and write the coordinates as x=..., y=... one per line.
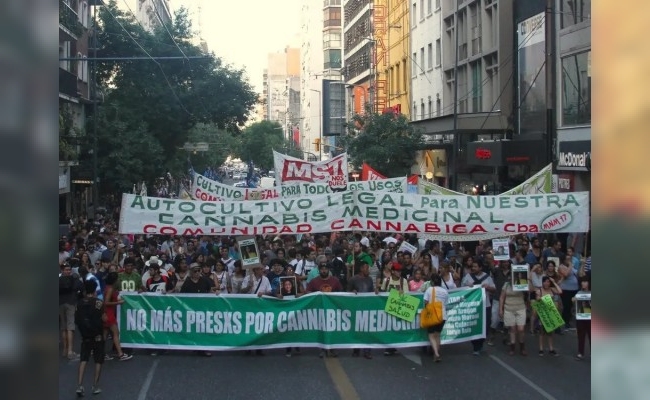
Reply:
x=508, y=162
x=574, y=166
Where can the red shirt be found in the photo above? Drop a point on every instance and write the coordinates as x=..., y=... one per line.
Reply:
x=330, y=284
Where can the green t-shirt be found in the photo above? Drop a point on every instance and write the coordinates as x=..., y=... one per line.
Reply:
x=357, y=260
x=129, y=282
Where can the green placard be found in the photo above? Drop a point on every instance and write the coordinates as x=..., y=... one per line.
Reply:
x=402, y=306
x=548, y=313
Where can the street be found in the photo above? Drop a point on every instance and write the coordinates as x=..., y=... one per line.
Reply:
x=409, y=375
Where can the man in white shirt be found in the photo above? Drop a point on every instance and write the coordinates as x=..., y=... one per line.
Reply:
x=256, y=283
x=304, y=268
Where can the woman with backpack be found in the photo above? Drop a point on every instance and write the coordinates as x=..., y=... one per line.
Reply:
x=436, y=294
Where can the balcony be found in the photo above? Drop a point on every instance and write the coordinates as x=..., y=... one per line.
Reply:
x=68, y=83
x=69, y=24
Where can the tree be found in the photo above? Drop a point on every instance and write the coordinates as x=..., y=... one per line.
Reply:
x=160, y=102
x=221, y=144
x=386, y=142
x=260, y=139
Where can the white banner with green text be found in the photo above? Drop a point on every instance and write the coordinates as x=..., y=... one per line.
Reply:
x=359, y=210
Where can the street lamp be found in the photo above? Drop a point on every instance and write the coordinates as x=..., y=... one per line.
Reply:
x=320, y=122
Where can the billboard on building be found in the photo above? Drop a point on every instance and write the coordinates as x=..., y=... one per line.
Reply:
x=531, y=82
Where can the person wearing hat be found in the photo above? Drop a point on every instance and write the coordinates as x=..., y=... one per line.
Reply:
x=197, y=283
x=395, y=281
x=153, y=261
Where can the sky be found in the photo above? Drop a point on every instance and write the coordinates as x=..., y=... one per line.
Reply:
x=244, y=32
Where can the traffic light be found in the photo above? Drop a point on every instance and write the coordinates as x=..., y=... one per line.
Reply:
x=317, y=144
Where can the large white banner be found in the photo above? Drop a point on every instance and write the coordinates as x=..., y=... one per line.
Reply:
x=295, y=171
x=206, y=189
x=456, y=216
x=541, y=182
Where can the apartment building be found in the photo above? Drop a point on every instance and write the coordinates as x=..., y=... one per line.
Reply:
x=74, y=91
x=573, y=94
x=398, y=75
x=467, y=95
x=281, y=90
x=359, y=54
x=149, y=13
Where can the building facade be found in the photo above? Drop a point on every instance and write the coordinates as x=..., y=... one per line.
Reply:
x=74, y=100
x=150, y=13
x=573, y=95
x=398, y=33
x=470, y=90
x=359, y=54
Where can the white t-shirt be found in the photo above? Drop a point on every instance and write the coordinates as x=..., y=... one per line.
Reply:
x=304, y=267
x=450, y=282
x=264, y=287
x=441, y=295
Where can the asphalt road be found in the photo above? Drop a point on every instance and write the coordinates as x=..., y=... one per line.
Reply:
x=409, y=375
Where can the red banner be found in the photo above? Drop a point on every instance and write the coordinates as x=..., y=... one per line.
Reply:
x=413, y=180
x=369, y=174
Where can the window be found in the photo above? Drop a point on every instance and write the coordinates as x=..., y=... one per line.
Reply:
x=415, y=15
x=574, y=11
x=332, y=58
x=429, y=2
x=80, y=68
x=422, y=108
x=477, y=86
x=398, y=89
x=438, y=107
x=438, y=51
x=332, y=17
x=430, y=56
x=414, y=69
x=430, y=109
x=415, y=111
x=421, y=10
x=437, y=4
x=332, y=39
x=422, y=60
x=576, y=89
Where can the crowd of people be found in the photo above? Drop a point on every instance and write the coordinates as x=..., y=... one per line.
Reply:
x=98, y=263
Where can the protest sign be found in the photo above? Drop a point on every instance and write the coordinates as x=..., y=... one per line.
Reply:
x=406, y=246
x=288, y=286
x=548, y=313
x=206, y=189
x=520, y=278
x=501, y=249
x=333, y=320
x=394, y=185
x=250, y=255
x=402, y=306
x=583, y=306
x=294, y=171
x=359, y=211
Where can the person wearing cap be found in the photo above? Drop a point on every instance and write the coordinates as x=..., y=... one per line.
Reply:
x=157, y=283
x=197, y=283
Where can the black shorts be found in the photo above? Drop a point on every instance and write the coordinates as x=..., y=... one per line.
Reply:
x=94, y=346
x=436, y=328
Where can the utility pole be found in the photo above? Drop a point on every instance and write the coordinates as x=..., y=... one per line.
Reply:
x=551, y=51
x=456, y=145
x=94, y=77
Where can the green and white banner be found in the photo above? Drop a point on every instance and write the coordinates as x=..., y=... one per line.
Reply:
x=456, y=216
x=206, y=189
x=540, y=183
x=332, y=320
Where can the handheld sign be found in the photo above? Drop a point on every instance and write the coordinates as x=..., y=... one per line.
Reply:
x=250, y=255
x=548, y=313
x=520, y=278
x=402, y=306
x=583, y=306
